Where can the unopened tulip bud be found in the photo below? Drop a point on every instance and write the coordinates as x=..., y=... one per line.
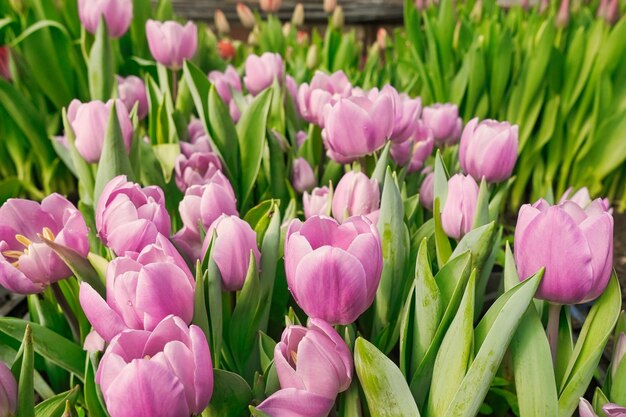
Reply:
x=221, y=22
x=302, y=177
x=329, y=6
x=457, y=216
x=562, y=17
x=312, y=57
x=297, y=19
x=270, y=6
x=246, y=17
x=318, y=203
x=612, y=12
x=253, y=38
x=602, y=9
x=286, y=29
x=117, y=15
x=171, y=43
x=427, y=192
x=355, y=195
x=381, y=38
x=585, y=409
x=338, y=19
x=5, y=72
x=8, y=392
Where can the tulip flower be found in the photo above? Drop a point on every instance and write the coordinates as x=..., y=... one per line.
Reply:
x=8, y=392
x=89, y=122
x=297, y=19
x=5, y=72
x=234, y=243
x=117, y=15
x=163, y=373
x=301, y=137
x=270, y=6
x=129, y=217
x=292, y=88
x=196, y=169
x=226, y=82
x=171, y=43
x=132, y=90
x=488, y=150
x=562, y=17
x=329, y=6
x=338, y=18
x=614, y=410
x=357, y=126
x=583, y=198
x=585, y=409
x=261, y=71
x=292, y=402
x=302, y=175
x=245, y=16
x=458, y=211
x=338, y=263
x=574, y=244
x=407, y=113
x=323, y=89
x=221, y=22
x=27, y=264
x=319, y=202
x=142, y=290
x=355, y=195
x=414, y=151
x=444, y=121
x=427, y=191
x=198, y=140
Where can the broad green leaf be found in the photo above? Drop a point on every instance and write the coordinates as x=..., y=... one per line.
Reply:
x=166, y=154
x=479, y=242
x=231, y=395
x=442, y=243
x=223, y=133
x=200, y=314
x=25, y=386
x=381, y=166
x=92, y=394
x=481, y=215
x=101, y=65
x=385, y=388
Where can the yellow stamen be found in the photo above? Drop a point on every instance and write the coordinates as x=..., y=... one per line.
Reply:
x=147, y=357
x=12, y=254
x=294, y=357
x=47, y=233
x=16, y=264
x=23, y=240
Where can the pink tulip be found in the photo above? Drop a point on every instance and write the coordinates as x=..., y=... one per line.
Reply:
x=89, y=122
x=489, y=150
x=270, y=6
x=245, y=16
x=197, y=169
x=614, y=410
x=129, y=217
x=27, y=264
x=8, y=392
x=457, y=215
x=574, y=244
x=357, y=126
x=132, y=90
x=301, y=137
x=338, y=263
x=585, y=409
x=163, y=373
x=319, y=202
x=226, y=82
x=414, y=151
x=198, y=139
x=427, y=191
x=323, y=89
x=5, y=71
x=117, y=15
x=171, y=43
x=444, y=121
x=142, y=290
x=234, y=242
x=407, y=112
x=292, y=88
x=292, y=402
x=582, y=198
x=261, y=71
x=355, y=195
x=302, y=175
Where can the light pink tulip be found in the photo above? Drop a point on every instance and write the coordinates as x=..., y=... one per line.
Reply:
x=172, y=43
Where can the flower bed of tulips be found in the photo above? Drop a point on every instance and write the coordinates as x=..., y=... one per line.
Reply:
x=251, y=235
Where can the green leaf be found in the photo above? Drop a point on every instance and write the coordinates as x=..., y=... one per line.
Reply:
x=92, y=394
x=114, y=159
x=166, y=154
x=440, y=182
x=479, y=242
x=25, y=387
x=481, y=215
x=251, y=134
x=381, y=166
x=231, y=395
x=223, y=133
x=442, y=243
x=385, y=388
x=54, y=407
x=495, y=336
x=101, y=65
x=59, y=350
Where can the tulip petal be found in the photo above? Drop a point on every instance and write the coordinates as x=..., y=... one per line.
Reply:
x=104, y=320
x=293, y=402
x=599, y=233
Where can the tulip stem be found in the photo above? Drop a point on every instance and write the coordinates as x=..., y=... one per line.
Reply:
x=65, y=307
x=554, y=313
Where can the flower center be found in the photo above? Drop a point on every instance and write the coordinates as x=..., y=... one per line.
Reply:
x=26, y=242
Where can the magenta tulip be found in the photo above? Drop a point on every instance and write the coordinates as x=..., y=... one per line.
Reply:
x=89, y=122
x=171, y=43
x=414, y=151
x=129, y=217
x=302, y=175
x=489, y=150
x=261, y=71
x=197, y=169
x=323, y=89
x=141, y=291
x=117, y=15
x=357, y=126
x=226, y=82
x=427, y=191
x=338, y=263
x=132, y=90
x=27, y=264
x=319, y=202
x=8, y=392
x=163, y=373
x=458, y=211
x=444, y=121
x=574, y=244
x=234, y=243
x=355, y=195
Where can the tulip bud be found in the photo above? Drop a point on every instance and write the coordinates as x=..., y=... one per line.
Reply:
x=261, y=71
x=5, y=71
x=8, y=392
x=602, y=9
x=585, y=409
x=574, y=244
x=318, y=203
x=338, y=263
x=355, y=195
x=489, y=150
x=301, y=137
x=221, y=22
x=226, y=82
x=234, y=242
x=116, y=13
x=427, y=192
x=163, y=373
x=613, y=410
x=415, y=150
x=612, y=12
x=246, y=17
x=420, y=5
x=618, y=354
x=225, y=49
x=286, y=29
x=302, y=37
x=89, y=121
x=297, y=19
x=329, y=6
x=171, y=43
x=381, y=38
x=457, y=215
x=444, y=121
x=338, y=19
x=562, y=17
x=132, y=90
x=302, y=175
x=270, y=6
